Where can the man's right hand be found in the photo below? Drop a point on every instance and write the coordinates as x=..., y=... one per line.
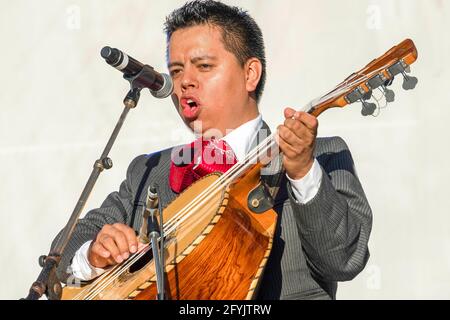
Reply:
x=113, y=245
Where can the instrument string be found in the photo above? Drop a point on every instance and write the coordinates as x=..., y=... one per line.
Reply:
x=114, y=274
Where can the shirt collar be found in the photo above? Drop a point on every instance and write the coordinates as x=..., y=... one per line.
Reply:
x=241, y=138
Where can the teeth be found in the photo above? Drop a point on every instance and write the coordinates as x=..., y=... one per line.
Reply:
x=190, y=102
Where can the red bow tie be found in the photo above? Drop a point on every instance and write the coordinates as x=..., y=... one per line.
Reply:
x=197, y=159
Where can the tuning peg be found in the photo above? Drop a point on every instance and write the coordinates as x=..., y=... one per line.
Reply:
x=367, y=95
x=388, y=94
x=409, y=82
x=368, y=108
x=388, y=82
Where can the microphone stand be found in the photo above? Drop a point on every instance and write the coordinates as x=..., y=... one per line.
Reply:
x=47, y=282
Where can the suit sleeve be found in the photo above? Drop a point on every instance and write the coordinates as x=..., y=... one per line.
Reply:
x=335, y=225
x=116, y=208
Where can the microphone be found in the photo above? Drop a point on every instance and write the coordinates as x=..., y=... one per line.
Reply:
x=152, y=206
x=159, y=84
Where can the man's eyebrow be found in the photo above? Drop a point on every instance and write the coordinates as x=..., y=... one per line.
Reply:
x=173, y=64
x=193, y=60
x=205, y=57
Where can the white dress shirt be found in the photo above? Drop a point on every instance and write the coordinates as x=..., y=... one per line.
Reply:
x=240, y=140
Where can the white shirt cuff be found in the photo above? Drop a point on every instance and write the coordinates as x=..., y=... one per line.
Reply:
x=306, y=188
x=81, y=268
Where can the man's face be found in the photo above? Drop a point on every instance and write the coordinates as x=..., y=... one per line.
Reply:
x=209, y=83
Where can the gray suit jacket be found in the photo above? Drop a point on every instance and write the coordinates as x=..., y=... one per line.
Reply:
x=315, y=245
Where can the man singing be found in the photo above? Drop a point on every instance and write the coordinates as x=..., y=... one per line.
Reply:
x=215, y=55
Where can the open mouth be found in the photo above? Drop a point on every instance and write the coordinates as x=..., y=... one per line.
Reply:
x=190, y=108
x=191, y=103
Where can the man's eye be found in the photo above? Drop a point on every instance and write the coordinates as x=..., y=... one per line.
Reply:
x=205, y=66
x=174, y=72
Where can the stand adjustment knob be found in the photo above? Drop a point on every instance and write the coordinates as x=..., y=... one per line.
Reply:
x=107, y=163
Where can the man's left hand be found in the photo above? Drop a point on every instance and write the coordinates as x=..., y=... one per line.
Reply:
x=297, y=138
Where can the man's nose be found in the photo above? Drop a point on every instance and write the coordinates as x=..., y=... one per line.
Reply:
x=189, y=80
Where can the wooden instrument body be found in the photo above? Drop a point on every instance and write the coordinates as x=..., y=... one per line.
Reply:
x=219, y=252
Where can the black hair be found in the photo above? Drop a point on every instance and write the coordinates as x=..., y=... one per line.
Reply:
x=240, y=33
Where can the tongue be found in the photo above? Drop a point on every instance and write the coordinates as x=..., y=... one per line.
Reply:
x=191, y=111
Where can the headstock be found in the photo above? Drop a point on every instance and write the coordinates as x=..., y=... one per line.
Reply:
x=378, y=74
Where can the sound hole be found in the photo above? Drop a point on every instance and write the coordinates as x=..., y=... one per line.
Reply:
x=138, y=265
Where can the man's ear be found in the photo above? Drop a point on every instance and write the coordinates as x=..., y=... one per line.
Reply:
x=253, y=71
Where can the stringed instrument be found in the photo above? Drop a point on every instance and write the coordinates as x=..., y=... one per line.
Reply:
x=216, y=240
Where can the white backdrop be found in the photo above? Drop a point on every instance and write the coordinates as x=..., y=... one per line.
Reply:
x=59, y=102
